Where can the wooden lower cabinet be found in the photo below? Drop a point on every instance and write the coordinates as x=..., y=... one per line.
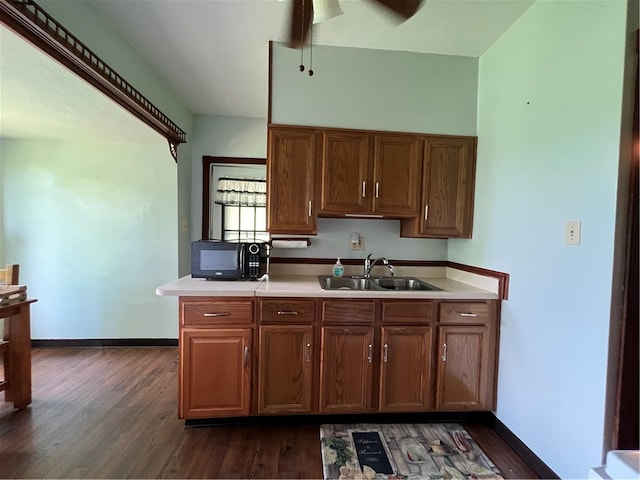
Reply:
x=215, y=371
x=346, y=369
x=464, y=381
x=285, y=382
x=336, y=356
x=405, y=372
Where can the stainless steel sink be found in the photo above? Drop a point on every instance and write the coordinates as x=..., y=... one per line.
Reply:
x=381, y=284
x=348, y=283
x=403, y=283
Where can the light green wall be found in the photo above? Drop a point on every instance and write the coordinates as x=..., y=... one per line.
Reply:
x=549, y=113
x=376, y=89
x=93, y=229
x=81, y=19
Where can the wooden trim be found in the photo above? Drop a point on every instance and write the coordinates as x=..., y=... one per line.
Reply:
x=365, y=131
x=105, y=342
x=625, y=416
x=207, y=161
x=503, y=278
x=270, y=87
x=520, y=448
x=39, y=28
x=355, y=261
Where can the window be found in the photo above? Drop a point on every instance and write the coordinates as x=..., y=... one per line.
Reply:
x=244, y=212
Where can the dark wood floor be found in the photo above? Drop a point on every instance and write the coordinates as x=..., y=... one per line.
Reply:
x=112, y=413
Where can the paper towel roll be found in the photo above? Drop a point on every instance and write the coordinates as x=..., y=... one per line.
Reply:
x=288, y=243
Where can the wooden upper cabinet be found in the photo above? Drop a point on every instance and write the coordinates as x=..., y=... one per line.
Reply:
x=345, y=173
x=396, y=175
x=370, y=174
x=448, y=182
x=291, y=178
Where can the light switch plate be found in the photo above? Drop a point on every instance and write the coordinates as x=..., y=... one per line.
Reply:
x=572, y=233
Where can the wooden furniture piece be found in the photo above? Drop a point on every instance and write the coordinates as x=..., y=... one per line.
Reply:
x=215, y=356
x=15, y=346
x=292, y=164
x=448, y=185
x=335, y=355
x=370, y=175
x=10, y=274
x=426, y=181
x=287, y=356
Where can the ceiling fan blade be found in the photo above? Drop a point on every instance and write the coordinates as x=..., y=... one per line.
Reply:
x=404, y=8
x=300, y=21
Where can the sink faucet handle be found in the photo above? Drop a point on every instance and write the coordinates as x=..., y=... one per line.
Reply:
x=392, y=270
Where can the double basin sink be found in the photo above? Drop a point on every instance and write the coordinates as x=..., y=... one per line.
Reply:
x=379, y=284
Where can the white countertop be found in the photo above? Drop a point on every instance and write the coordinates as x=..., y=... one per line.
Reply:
x=308, y=286
x=187, y=286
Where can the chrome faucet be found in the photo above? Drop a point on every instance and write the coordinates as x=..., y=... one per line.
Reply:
x=368, y=265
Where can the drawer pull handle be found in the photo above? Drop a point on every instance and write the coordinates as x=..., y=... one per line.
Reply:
x=377, y=190
x=287, y=312
x=309, y=207
x=246, y=357
x=468, y=314
x=370, y=355
x=444, y=352
x=385, y=354
x=426, y=212
x=364, y=189
x=221, y=314
x=307, y=353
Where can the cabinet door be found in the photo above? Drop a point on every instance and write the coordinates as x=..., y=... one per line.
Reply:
x=464, y=381
x=346, y=369
x=396, y=175
x=215, y=372
x=291, y=178
x=449, y=180
x=346, y=182
x=286, y=368
x=405, y=370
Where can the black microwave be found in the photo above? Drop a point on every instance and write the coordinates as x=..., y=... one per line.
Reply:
x=218, y=260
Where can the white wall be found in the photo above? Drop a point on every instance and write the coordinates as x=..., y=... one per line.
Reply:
x=549, y=110
x=93, y=229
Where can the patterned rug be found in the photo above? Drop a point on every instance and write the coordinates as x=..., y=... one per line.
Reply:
x=402, y=451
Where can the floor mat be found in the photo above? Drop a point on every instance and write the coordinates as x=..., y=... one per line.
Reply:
x=402, y=451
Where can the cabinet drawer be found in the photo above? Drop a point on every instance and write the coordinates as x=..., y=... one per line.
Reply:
x=287, y=311
x=348, y=311
x=212, y=312
x=465, y=313
x=407, y=312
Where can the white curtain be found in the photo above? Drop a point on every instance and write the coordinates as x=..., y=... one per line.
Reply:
x=251, y=192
